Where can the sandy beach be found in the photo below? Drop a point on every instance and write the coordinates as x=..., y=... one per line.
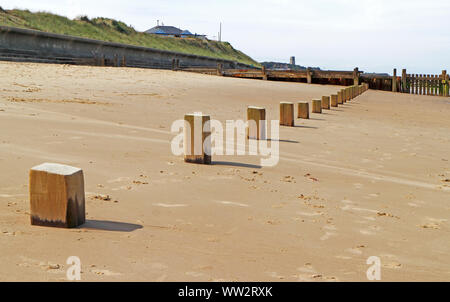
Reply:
x=370, y=178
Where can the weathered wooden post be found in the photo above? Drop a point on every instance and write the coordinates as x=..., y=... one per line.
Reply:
x=124, y=61
x=173, y=64
x=445, y=83
x=341, y=97
x=394, y=81
x=197, y=139
x=309, y=75
x=264, y=73
x=219, y=69
x=326, y=102
x=317, y=106
x=356, y=76
x=57, y=196
x=287, y=114
x=303, y=110
x=404, y=84
x=257, y=118
x=116, y=60
x=413, y=84
x=334, y=100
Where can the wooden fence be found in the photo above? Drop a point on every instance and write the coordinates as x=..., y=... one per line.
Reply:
x=421, y=84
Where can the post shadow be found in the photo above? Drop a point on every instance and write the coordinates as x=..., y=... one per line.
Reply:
x=235, y=164
x=112, y=226
x=306, y=127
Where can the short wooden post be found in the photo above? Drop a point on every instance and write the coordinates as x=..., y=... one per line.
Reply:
x=334, y=100
x=413, y=84
x=287, y=114
x=309, y=75
x=57, y=196
x=124, y=61
x=326, y=102
x=116, y=60
x=197, y=139
x=341, y=97
x=303, y=110
x=394, y=81
x=317, y=106
x=257, y=118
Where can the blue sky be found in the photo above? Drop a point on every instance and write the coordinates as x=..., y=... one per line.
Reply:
x=375, y=35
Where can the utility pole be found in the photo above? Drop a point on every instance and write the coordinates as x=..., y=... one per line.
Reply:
x=220, y=32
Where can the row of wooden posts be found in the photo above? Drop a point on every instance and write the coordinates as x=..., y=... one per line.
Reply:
x=57, y=196
x=422, y=84
x=258, y=116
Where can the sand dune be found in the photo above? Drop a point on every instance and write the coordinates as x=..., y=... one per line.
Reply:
x=370, y=178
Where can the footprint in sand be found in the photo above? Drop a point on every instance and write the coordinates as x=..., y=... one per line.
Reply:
x=358, y=185
x=327, y=236
x=275, y=275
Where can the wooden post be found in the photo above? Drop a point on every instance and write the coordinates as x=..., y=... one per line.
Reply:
x=334, y=100
x=124, y=61
x=317, y=106
x=445, y=83
x=326, y=102
x=341, y=97
x=287, y=114
x=116, y=60
x=219, y=69
x=428, y=84
x=57, y=196
x=197, y=139
x=309, y=75
x=264, y=73
x=173, y=64
x=256, y=117
x=404, y=85
x=413, y=84
x=394, y=81
x=303, y=110
x=356, y=76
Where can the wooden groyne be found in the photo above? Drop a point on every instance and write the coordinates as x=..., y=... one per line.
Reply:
x=345, y=78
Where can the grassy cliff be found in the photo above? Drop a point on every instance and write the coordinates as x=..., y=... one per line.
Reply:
x=115, y=31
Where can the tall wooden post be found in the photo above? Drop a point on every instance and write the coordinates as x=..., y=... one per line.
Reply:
x=445, y=83
x=404, y=85
x=356, y=76
x=264, y=73
x=219, y=69
x=394, y=81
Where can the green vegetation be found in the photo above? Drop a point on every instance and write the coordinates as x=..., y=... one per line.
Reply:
x=115, y=31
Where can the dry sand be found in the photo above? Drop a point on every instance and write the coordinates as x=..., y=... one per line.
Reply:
x=371, y=178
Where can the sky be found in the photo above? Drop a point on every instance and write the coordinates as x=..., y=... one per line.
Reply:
x=374, y=35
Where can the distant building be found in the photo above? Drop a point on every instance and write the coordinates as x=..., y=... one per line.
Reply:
x=292, y=60
x=172, y=31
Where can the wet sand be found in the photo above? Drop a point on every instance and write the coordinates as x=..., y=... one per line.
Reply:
x=370, y=178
